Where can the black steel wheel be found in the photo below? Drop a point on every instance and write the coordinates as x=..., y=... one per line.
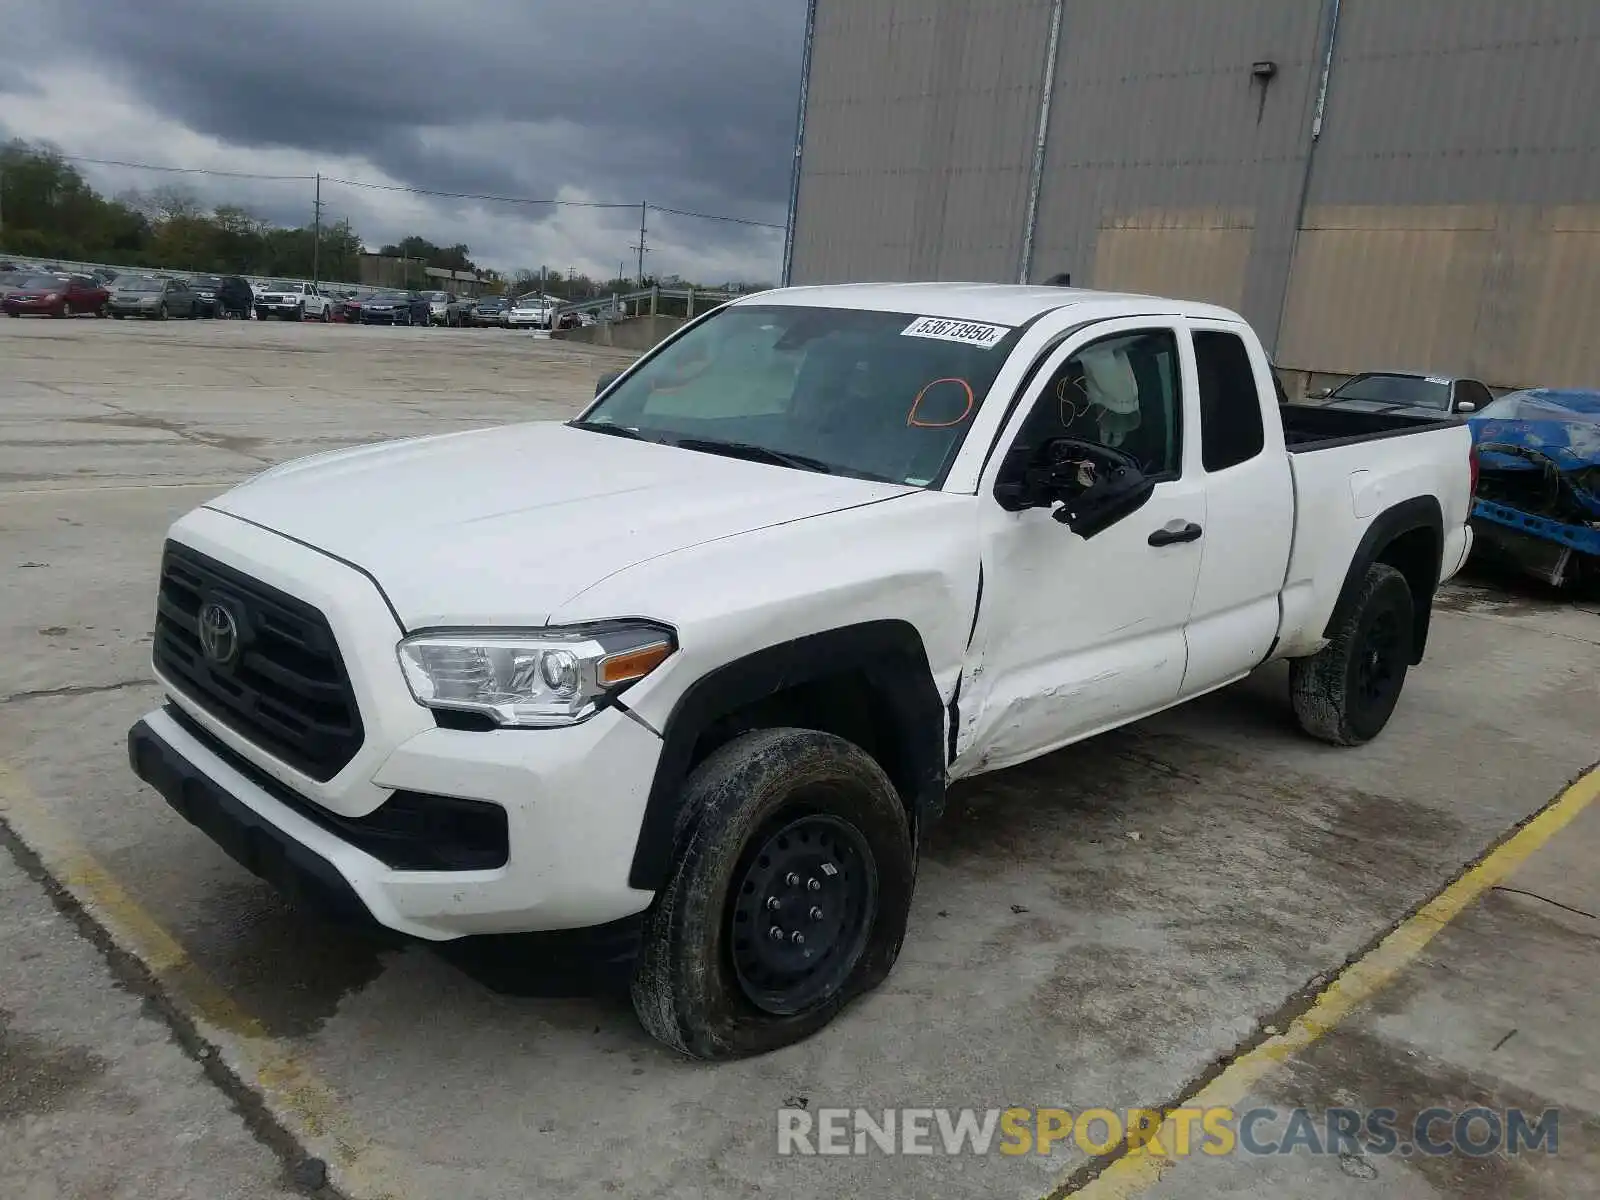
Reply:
x=802, y=910
x=787, y=830
x=1347, y=691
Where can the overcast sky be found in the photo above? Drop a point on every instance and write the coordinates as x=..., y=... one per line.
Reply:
x=688, y=104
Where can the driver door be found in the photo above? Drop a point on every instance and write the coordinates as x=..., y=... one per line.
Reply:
x=1077, y=635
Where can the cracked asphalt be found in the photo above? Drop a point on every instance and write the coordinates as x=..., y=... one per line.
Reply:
x=1099, y=928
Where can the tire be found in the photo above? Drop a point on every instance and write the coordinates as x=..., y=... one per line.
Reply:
x=161, y=312
x=327, y=314
x=66, y=310
x=102, y=312
x=1346, y=692
x=708, y=993
x=116, y=316
x=299, y=314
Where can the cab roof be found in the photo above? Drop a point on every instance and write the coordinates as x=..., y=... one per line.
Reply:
x=1000, y=303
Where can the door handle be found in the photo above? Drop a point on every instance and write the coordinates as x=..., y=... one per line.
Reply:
x=1174, y=532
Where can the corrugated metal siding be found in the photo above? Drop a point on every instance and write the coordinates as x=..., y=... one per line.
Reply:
x=1155, y=109
x=1451, y=206
x=1440, y=108
x=919, y=139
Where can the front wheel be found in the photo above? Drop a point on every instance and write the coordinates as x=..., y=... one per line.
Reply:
x=793, y=885
x=327, y=313
x=161, y=313
x=66, y=310
x=1346, y=692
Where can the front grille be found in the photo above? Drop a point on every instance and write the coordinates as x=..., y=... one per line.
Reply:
x=285, y=688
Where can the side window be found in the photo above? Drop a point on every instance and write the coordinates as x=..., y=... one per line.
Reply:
x=1230, y=404
x=1123, y=392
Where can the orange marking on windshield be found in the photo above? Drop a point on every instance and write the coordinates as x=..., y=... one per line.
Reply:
x=972, y=402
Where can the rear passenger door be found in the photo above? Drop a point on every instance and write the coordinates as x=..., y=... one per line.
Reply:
x=1235, y=615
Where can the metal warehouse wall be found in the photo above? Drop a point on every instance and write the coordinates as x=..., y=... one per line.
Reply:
x=1446, y=217
x=920, y=124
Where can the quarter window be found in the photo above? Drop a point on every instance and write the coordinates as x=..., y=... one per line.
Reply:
x=1230, y=403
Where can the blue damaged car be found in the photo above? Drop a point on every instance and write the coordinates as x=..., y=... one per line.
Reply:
x=1538, y=494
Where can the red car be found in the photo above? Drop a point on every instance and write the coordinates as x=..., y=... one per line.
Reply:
x=56, y=296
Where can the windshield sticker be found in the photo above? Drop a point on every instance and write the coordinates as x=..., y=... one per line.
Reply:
x=968, y=333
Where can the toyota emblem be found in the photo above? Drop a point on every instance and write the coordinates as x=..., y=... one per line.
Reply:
x=219, y=633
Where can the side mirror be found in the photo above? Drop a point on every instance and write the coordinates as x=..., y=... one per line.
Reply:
x=1319, y=393
x=1094, y=485
x=1466, y=406
x=606, y=381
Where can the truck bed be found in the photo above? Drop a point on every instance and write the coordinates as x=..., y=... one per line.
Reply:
x=1307, y=427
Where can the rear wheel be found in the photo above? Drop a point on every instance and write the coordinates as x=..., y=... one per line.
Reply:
x=66, y=309
x=790, y=898
x=1346, y=692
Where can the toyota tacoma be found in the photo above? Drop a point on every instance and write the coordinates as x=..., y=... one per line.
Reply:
x=683, y=680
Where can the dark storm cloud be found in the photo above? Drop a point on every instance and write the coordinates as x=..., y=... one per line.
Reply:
x=687, y=104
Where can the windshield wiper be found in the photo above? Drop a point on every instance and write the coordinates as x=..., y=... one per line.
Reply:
x=755, y=453
x=613, y=430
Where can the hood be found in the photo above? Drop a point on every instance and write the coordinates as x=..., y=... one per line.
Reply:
x=503, y=526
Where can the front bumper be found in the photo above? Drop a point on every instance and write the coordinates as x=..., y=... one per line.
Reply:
x=369, y=317
x=574, y=798
x=133, y=310
x=31, y=308
x=574, y=802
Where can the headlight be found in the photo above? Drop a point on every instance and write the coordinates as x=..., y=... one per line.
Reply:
x=533, y=678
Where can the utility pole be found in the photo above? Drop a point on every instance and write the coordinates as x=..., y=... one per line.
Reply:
x=644, y=208
x=316, y=232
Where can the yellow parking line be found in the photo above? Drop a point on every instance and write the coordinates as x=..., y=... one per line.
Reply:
x=1359, y=982
x=311, y=1109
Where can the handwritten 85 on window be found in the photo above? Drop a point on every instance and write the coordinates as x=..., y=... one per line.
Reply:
x=1474, y=1132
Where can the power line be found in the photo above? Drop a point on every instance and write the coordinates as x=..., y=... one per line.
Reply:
x=678, y=212
x=415, y=191
x=115, y=162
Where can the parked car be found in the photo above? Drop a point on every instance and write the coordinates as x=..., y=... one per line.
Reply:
x=1412, y=393
x=222, y=296
x=1538, y=496
x=155, y=297
x=439, y=306
x=47, y=295
x=529, y=312
x=490, y=310
x=722, y=640
x=290, y=301
x=395, y=307
x=459, y=311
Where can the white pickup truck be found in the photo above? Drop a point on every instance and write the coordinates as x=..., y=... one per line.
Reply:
x=291, y=301
x=683, y=680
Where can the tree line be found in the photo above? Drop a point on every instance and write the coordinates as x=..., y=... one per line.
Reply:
x=49, y=210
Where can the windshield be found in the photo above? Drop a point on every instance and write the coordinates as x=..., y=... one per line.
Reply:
x=439, y=296
x=872, y=394
x=1415, y=390
x=205, y=281
x=280, y=285
x=392, y=296
x=42, y=281
x=138, y=283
